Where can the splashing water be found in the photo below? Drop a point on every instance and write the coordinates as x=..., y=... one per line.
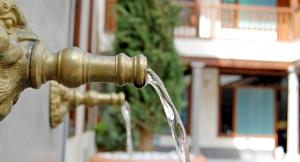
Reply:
x=174, y=121
x=125, y=109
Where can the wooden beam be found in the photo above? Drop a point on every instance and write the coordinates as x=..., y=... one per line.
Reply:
x=240, y=64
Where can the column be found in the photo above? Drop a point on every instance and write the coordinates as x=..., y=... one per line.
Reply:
x=196, y=106
x=293, y=114
x=294, y=4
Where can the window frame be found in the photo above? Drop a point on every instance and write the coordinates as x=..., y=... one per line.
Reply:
x=234, y=111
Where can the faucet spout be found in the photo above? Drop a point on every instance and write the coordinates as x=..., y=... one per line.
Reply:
x=73, y=67
x=62, y=99
x=92, y=98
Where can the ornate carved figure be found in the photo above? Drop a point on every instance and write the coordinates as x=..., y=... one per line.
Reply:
x=14, y=37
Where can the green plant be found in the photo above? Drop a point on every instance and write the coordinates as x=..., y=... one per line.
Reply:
x=110, y=134
x=146, y=26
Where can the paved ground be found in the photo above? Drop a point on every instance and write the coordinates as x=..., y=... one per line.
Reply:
x=227, y=160
x=147, y=157
x=231, y=160
x=108, y=157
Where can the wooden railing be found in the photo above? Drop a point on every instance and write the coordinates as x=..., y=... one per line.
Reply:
x=228, y=21
x=296, y=24
x=257, y=19
x=189, y=19
x=232, y=21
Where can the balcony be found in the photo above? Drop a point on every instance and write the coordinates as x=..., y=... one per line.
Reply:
x=227, y=31
x=229, y=21
x=238, y=22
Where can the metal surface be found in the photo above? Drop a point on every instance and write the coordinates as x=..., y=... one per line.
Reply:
x=62, y=99
x=25, y=62
x=73, y=67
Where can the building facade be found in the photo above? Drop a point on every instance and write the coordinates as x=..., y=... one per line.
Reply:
x=238, y=53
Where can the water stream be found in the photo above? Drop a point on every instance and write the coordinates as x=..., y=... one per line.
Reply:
x=174, y=120
x=125, y=109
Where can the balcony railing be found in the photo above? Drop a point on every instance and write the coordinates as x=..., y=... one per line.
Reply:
x=189, y=20
x=296, y=24
x=229, y=21
x=239, y=22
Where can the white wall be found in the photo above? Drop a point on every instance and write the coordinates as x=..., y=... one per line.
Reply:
x=74, y=145
x=245, y=50
x=80, y=147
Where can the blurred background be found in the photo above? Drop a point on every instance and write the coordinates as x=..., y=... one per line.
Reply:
x=230, y=66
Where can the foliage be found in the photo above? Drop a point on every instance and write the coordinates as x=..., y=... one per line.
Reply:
x=110, y=134
x=147, y=27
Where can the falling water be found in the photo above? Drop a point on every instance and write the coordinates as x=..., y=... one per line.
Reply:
x=175, y=123
x=125, y=109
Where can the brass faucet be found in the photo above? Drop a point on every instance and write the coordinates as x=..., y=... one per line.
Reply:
x=63, y=99
x=25, y=62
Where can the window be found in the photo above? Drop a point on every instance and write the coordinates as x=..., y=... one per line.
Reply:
x=255, y=111
x=252, y=2
x=249, y=104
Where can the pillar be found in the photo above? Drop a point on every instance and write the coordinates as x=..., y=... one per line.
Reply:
x=293, y=114
x=196, y=106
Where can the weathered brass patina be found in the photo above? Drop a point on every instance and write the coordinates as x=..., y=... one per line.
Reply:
x=63, y=99
x=25, y=62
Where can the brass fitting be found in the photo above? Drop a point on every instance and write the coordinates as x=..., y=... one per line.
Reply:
x=73, y=67
x=62, y=99
x=25, y=62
